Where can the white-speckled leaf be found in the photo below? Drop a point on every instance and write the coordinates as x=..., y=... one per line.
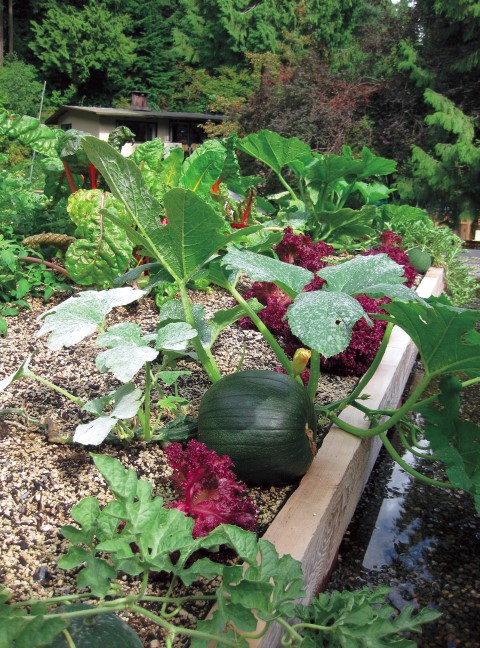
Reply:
x=127, y=400
x=125, y=360
x=95, y=432
x=323, y=321
x=121, y=334
x=400, y=292
x=361, y=273
x=81, y=315
x=263, y=268
x=175, y=336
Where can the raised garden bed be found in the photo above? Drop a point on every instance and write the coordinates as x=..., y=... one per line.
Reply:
x=311, y=525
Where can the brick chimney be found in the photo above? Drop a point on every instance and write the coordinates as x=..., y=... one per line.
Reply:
x=139, y=101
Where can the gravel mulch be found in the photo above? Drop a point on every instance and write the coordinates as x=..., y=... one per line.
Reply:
x=40, y=481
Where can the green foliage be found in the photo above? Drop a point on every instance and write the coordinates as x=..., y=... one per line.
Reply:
x=88, y=45
x=266, y=587
x=101, y=250
x=359, y=619
x=445, y=178
x=20, y=278
x=20, y=88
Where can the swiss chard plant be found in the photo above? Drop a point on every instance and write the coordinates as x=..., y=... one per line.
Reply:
x=136, y=535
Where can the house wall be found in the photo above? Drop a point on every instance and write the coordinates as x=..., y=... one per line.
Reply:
x=83, y=122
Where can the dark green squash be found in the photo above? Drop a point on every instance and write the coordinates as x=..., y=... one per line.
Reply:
x=264, y=421
x=420, y=259
x=100, y=631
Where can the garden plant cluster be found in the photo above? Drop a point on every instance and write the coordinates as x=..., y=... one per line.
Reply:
x=332, y=261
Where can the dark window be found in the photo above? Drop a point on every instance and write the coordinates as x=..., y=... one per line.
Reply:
x=66, y=127
x=186, y=132
x=143, y=131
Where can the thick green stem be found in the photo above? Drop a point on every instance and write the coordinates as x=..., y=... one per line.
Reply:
x=147, y=402
x=188, y=632
x=401, y=462
x=269, y=337
x=204, y=355
x=314, y=375
x=407, y=406
x=287, y=186
x=56, y=388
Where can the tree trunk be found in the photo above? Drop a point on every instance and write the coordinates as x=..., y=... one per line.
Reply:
x=10, y=26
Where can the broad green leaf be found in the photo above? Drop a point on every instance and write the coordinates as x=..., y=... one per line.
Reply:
x=81, y=315
x=203, y=168
x=325, y=170
x=74, y=557
x=323, y=320
x=30, y=131
x=222, y=319
x=173, y=311
x=454, y=441
x=373, y=192
x=344, y=223
x=444, y=334
x=272, y=149
x=261, y=268
x=362, y=273
x=169, y=377
x=374, y=165
x=126, y=183
x=97, y=576
x=122, y=482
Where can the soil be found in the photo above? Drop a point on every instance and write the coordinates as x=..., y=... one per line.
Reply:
x=40, y=481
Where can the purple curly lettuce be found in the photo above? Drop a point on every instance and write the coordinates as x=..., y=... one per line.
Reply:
x=363, y=347
x=208, y=489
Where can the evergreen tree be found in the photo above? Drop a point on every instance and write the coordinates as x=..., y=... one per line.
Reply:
x=85, y=47
x=447, y=178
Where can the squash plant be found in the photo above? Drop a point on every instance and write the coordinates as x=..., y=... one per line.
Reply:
x=321, y=319
x=135, y=534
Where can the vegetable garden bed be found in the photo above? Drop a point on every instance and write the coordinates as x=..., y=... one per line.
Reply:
x=311, y=524
x=42, y=481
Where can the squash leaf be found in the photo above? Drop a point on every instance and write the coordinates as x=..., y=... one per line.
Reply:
x=124, y=340
x=324, y=320
x=362, y=273
x=454, y=441
x=79, y=316
x=287, y=276
x=444, y=334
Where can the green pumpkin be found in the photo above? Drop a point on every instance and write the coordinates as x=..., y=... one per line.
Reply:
x=264, y=421
x=420, y=259
x=99, y=631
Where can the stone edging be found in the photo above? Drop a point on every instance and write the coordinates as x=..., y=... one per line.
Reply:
x=311, y=524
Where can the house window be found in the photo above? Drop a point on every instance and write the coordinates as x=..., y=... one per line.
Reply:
x=66, y=127
x=144, y=131
x=186, y=132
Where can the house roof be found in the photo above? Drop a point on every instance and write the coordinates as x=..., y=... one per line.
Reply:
x=144, y=115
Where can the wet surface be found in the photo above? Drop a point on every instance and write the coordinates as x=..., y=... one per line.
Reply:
x=420, y=540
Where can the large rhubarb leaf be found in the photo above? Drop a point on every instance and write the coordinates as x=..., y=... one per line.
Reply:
x=272, y=149
x=444, y=334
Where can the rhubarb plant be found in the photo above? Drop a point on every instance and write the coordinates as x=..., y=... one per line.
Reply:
x=136, y=535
